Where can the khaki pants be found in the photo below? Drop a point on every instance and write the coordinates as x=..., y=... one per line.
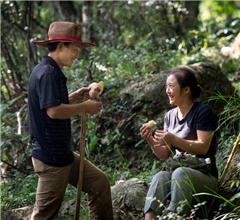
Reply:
x=52, y=184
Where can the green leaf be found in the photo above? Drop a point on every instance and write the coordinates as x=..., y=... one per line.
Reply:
x=91, y=124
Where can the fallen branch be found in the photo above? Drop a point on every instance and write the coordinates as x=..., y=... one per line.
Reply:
x=14, y=167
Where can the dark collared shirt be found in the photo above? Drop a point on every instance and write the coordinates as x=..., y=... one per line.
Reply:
x=51, y=137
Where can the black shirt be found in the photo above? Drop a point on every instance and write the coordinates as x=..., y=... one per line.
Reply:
x=51, y=137
x=200, y=117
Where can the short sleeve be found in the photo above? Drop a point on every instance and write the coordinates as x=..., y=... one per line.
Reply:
x=166, y=122
x=207, y=120
x=169, y=118
x=48, y=91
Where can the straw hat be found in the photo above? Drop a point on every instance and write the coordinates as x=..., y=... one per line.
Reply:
x=62, y=31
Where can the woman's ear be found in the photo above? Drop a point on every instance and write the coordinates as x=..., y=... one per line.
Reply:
x=187, y=90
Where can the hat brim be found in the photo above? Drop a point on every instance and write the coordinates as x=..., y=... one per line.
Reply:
x=46, y=42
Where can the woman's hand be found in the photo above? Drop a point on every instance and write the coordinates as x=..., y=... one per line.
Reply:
x=160, y=150
x=162, y=138
x=146, y=132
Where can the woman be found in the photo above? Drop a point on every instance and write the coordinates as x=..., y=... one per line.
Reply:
x=187, y=128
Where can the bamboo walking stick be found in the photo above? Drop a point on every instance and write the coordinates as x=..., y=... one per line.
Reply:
x=95, y=91
x=81, y=163
x=225, y=169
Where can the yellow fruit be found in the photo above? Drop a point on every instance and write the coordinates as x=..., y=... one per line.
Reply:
x=151, y=124
x=96, y=89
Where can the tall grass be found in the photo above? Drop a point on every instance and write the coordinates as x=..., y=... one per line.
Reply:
x=230, y=116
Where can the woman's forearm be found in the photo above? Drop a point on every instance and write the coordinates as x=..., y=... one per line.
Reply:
x=197, y=147
x=163, y=152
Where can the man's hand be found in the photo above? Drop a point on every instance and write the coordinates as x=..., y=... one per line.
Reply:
x=79, y=95
x=92, y=107
x=82, y=91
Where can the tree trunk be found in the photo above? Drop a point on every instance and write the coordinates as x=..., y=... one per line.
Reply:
x=66, y=10
x=87, y=14
x=190, y=21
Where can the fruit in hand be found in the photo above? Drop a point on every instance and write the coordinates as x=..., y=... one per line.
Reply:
x=151, y=124
x=96, y=89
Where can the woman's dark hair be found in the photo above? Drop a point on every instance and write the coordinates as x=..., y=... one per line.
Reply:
x=53, y=46
x=186, y=78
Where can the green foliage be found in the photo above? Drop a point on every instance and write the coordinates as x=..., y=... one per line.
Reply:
x=92, y=134
x=15, y=151
x=225, y=145
x=136, y=39
x=218, y=9
x=230, y=116
x=19, y=191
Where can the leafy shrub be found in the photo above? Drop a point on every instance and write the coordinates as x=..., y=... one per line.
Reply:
x=19, y=191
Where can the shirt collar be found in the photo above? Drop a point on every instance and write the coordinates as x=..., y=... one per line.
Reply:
x=52, y=62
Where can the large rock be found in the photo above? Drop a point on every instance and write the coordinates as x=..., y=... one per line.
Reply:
x=23, y=213
x=128, y=199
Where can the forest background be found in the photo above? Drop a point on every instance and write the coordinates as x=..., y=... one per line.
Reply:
x=136, y=39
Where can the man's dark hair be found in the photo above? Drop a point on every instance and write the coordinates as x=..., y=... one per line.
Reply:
x=53, y=46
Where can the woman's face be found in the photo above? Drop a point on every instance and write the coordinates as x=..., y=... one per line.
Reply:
x=173, y=90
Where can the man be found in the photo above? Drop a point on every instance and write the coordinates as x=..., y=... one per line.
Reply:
x=49, y=111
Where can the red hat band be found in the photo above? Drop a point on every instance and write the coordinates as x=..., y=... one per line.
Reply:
x=68, y=38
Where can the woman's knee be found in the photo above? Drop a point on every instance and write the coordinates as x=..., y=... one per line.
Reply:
x=180, y=179
x=180, y=173
x=162, y=176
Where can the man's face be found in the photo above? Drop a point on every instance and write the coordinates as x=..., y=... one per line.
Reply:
x=68, y=54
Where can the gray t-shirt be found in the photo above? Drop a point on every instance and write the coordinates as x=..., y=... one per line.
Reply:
x=200, y=117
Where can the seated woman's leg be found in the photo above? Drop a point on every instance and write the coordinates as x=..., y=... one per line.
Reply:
x=185, y=183
x=159, y=189
x=150, y=215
